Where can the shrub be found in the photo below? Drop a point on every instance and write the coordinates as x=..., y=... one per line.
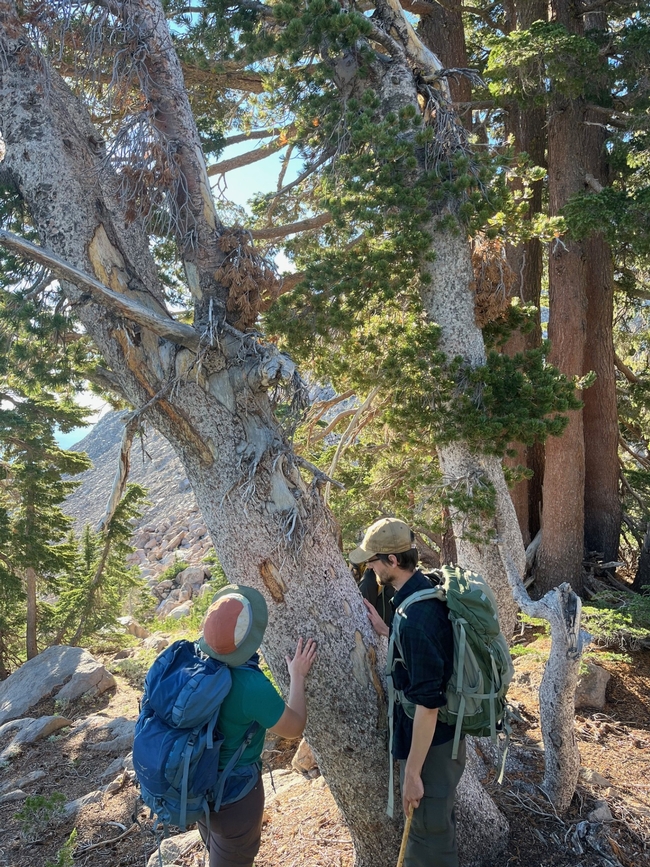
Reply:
x=37, y=813
x=65, y=855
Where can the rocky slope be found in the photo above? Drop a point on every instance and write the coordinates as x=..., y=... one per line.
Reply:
x=171, y=527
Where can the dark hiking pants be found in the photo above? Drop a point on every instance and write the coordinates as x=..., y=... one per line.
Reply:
x=432, y=839
x=235, y=831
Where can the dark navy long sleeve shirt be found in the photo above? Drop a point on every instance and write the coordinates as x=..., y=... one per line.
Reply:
x=428, y=649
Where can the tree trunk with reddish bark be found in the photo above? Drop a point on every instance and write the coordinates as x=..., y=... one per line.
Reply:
x=561, y=551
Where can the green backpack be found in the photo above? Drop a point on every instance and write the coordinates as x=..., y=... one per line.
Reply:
x=482, y=669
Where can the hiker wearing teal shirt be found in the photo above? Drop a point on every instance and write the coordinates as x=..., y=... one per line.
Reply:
x=232, y=633
x=423, y=745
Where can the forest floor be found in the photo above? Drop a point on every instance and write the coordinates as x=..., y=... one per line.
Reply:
x=302, y=824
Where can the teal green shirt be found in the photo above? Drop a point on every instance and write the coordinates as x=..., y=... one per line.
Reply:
x=252, y=698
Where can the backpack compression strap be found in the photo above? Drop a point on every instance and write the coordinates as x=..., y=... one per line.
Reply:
x=223, y=776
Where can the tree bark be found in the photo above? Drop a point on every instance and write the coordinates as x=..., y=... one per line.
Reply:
x=561, y=607
x=269, y=526
x=442, y=30
x=30, y=593
x=561, y=551
x=528, y=127
x=603, y=512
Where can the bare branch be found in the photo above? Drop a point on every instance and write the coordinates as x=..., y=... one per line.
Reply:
x=627, y=372
x=169, y=329
x=123, y=466
x=349, y=434
x=309, y=171
x=641, y=459
x=346, y=413
x=318, y=474
x=283, y=171
x=320, y=408
x=291, y=228
x=247, y=158
x=253, y=134
x=107, y=380
x=231, y=79
x=617, y=119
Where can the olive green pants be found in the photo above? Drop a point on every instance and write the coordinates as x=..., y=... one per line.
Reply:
x=432, y=839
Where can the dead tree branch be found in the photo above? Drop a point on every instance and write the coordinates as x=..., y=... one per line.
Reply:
x=167, y=328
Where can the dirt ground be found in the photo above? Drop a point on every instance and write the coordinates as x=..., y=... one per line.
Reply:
x=304, y=827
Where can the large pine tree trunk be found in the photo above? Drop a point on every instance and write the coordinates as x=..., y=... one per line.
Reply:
x=528, y=127
x=449, y=301
x=31, y=596
x=442, y=30
x=561, y=551
x=603, y=513
x=602, y=500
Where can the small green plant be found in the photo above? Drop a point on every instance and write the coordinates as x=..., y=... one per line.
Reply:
x=518, y=650
x=37, y=813
x=65, y=855
x=607, y=656
x=173, y=570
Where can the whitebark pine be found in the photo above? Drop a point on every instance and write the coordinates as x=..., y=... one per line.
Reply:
x=207, y=387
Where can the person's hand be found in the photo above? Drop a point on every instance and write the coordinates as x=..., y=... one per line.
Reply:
x=377, y=623
x=303, y=659
x=412, y=792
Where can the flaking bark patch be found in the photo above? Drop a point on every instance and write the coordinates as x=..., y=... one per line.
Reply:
x=273, y=580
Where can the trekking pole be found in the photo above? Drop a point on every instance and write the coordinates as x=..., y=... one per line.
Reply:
x=405, y=836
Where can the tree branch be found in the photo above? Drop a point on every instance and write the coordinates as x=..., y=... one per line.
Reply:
x=627, y=372
x=320, y=408
x=309, y=171
x=644, y=461
x=131, y=424
x=253, y=134
x=414, y=47
x=169, y=329
x=271, y=232
x=347, y=436
x=160, y=78
x=246, y=159
x=346, y=413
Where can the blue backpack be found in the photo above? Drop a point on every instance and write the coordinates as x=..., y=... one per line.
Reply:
x=177, y=743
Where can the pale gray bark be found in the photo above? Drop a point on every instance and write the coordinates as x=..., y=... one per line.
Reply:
x=206, y=388
x=449, y=301
x=561, y=607
x=270, y=528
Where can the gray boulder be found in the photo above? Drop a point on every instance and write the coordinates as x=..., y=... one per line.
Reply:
x=30, y=730
x=590, y=691
x=132, y=626
x=65, y=672
x=173, y=848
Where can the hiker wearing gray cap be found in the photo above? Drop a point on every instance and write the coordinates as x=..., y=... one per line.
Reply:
x=422, y=744
x=233, y=629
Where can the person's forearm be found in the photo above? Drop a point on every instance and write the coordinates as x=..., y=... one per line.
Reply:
x=297, y=701
x=424, y=727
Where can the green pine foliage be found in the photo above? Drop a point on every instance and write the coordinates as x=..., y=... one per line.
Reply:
x=92, y=589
